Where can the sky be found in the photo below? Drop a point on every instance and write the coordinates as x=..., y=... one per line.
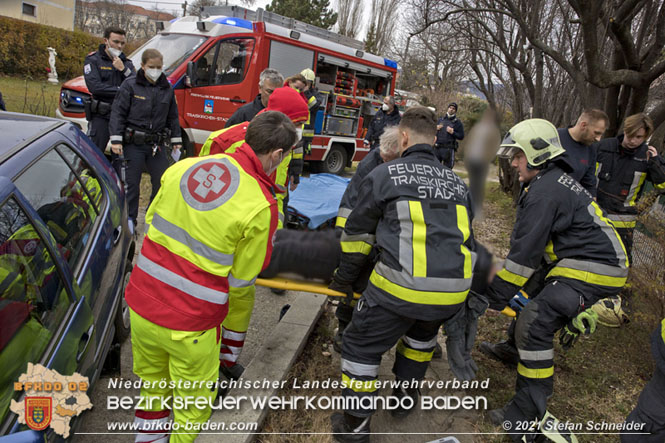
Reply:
x=175, y=6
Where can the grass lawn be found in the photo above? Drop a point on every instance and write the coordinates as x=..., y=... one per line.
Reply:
x=30, y=96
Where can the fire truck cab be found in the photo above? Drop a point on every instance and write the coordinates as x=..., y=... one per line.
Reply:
x=214, y=65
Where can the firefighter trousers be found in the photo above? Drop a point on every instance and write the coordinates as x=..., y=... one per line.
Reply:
x=558, y=302
x=373, y=331
x=166, y=357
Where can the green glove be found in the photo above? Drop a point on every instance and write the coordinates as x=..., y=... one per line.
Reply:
x=584, y=323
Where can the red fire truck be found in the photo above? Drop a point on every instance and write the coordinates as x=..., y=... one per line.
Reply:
x=214, y=65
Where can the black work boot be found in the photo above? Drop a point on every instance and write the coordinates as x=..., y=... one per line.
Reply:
x=496, y=416
x=233, y=372
x=504, y=351
x=349, y=428
x=401, y=392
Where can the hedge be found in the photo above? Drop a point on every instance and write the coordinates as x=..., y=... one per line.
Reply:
x=23, y=50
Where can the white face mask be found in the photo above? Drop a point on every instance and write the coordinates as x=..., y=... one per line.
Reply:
x=115, y=52
x=272, y=169
x=385, y=107
x=153, y=74
x=298, y=135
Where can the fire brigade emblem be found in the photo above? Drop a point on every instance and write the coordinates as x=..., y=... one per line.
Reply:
x=38, y=412
x=209, y=184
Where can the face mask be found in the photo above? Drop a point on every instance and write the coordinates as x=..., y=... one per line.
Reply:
x=270, y=168
x=385, y=107
x=115, y=52
x=153, y=74
x=298, y=135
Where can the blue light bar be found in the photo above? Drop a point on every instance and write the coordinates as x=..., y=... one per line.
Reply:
x=231, y=21
x=390, y=63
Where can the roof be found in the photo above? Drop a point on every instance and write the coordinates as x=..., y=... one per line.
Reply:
x=18, y=129
x=136, y=10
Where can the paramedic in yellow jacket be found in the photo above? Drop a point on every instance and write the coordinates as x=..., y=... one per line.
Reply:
x=286, y=100
x=210, y=234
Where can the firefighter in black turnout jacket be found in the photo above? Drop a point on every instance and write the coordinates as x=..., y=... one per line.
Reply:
x=418, y=214
x=104, y=71
x=143, y=120
x=624, y=163
x=559, y=220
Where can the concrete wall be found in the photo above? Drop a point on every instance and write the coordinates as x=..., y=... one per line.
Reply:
x=58, y=13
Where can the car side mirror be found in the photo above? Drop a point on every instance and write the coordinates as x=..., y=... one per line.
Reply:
x=190, y=80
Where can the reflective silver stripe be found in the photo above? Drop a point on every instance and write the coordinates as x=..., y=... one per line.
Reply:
x=360, y=369
x=622, y=217
x=240, y=283
x=633, y=188
x=547, y=354
x=172, y=279
x=238, y=336
x=180, y=235
x=417, y=344
x=599, y=166
x=176, y=140
x=367, y=238
x=116, y=139
x=298, y=151
x=344, y=212
x=280, y=217
x=516, y=268
x=161, y=437
x=229, y=357
x=405, y=236
x=235, y=350
x=596, y=268
x=430, y=284
x=613, y=237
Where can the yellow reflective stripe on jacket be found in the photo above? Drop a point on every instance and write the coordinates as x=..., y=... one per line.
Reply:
x=361, y=243
x=549, y=251
x=635, y=187
x=417, y=296
x=659, y=186
x=340, y=222
x=419, y=239
x=414, y=354
x=463, y=226
x=623, y=220
x=571, y=269
x=342, y=215
x=662, y=330
x=535, y=373
x=359, y=385
x=512, y=278
x=607, y=228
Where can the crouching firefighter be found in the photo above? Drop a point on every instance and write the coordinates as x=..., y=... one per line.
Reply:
x=144, y=116
x=421, y=279
x=209, y=235
x=556, y=218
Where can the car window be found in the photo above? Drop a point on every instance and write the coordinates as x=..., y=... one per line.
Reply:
x=67, y=196
x=232, y=61
x=33, y=301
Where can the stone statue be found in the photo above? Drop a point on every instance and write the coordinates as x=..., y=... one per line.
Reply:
x=53, y=74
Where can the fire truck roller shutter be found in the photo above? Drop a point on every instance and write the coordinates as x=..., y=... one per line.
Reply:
x=363, y=69
x=289, y=59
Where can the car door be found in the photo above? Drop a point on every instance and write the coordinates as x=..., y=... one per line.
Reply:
x=43, y=317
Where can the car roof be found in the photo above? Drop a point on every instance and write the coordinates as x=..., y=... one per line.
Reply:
x=19, y=130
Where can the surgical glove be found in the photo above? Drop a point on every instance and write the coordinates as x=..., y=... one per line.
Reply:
x=476, y=305
x=584, y=323
x=519, y=301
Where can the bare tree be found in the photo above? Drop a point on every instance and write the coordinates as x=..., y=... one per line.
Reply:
x=383, y=17
x=349, y=17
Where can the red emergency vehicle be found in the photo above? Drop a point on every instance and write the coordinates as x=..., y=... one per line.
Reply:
x=214, y=65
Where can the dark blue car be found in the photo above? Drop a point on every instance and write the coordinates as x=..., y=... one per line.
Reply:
x=65, y=257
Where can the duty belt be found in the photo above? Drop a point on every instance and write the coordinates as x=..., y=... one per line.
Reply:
x=138, y=137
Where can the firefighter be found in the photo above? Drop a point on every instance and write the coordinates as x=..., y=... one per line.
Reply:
x=649, y=414
x=388, y=151
x=209, y=235
x=104, y=71
x=314, y=101
x=388, y=115
x=143, y=120
x=422, y=276
x=234, y=329
x=624, y=163
x=556, y=218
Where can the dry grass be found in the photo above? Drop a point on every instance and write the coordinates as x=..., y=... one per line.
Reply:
x=29, y=96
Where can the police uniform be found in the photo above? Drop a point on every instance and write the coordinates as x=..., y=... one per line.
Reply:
x=621, y=176
x=103, y=81
x=143, y=116
x=380, y=121
x=556, y=219
x=649, y=414
x=209, y=236
x=418, y=213
x=446, y=144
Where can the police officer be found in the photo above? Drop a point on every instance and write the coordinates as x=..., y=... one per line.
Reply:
x=450, y=131
x=558, y=218
x=388, y=115
x=388, y=151
x=423, y=274
x=649, y=414
x=144, y=117
x=269, y=80
x=210, y=234
x=624, y=163
x=104, y=71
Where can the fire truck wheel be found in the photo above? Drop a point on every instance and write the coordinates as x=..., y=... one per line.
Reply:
x=335, y=161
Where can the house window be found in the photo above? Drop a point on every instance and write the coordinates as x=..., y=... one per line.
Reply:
x=29, y=9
